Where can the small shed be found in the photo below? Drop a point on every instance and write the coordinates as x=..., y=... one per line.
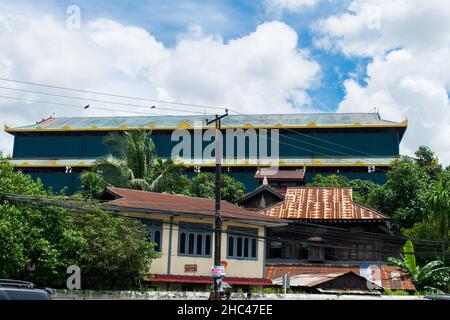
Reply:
x=345, y=281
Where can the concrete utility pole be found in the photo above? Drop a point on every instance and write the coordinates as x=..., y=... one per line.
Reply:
x=218, y=219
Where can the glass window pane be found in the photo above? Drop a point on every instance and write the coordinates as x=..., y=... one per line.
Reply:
x=239, y=247
x=230, y=246
x=183, y=243
x=254, y=248
x=157, y=240
x=208, y=245
x=246, y=247
x=191, y=243
x=199, y=244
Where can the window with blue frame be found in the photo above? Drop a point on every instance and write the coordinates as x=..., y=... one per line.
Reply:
x=242, y=243
x=194, y=239
x=154, y=228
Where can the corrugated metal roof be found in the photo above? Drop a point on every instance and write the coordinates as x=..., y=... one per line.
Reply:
x=160, y=202
x=312, y=279
x=232, y=121
x=386, y=276
x=285, y=162
x=280, y=175
x=321, y=204
x=207, y=280
x=260, y=189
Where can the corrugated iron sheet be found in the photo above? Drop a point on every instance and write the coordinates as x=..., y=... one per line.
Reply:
x=207, y=280
x=159, y=202
x=280, y=175
x=321, y=204
x=310, y=279
x=164, y=122
x=386, y=276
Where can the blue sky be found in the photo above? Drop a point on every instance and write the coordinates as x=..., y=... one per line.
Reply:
x=229, y=19
x=267, y=56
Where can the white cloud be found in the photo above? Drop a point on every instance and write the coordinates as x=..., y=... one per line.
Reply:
x=263, y=71
x=278, y=6
x=409, y=43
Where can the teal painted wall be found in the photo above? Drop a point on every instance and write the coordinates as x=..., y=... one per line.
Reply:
x=59, y=180
x=383, y=142
x=356, y=143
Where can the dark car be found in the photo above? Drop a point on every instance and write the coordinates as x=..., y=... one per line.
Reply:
x=23, y=290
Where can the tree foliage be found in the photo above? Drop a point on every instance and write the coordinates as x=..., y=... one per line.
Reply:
x=203, y=185
x=133, y=164
x=40, y=241
x=434, y=275
x=361, y=188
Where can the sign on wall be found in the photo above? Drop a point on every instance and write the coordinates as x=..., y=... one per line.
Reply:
x=190, y=268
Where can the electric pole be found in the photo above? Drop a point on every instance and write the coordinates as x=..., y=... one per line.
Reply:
x=217, y=216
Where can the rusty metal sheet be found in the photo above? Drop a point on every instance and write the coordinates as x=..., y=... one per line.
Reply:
x=386, y=276
x=159, y=202
x=321, y=204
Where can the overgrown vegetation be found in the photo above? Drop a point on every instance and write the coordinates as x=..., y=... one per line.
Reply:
x=39, y=242
x=433, y=276
x=134, y=164
x=415, y=195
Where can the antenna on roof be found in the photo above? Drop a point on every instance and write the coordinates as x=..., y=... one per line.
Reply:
x=375, y=109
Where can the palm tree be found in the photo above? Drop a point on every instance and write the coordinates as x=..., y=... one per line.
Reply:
x=133, y=163
x=439, y=208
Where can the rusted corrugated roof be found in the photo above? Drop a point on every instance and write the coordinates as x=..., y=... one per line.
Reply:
x=313, y=279
x=386, y=276
x=169, y=203
x=310, y=279
x=207, y=280
x=280, y=175
x=321, y=204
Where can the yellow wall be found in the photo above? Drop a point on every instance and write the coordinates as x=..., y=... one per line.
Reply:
x=235, y=268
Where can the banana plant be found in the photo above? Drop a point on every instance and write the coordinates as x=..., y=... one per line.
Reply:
x=422, y=277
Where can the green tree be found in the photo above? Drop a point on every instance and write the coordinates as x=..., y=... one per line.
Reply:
x=403, y=194
x=92, y=185
x=332, y=180
x=360, y=188
x=438, y=205
x=428, y=161
x=39, y=241
x=426, y=233
x=133, y=164
x=203, y=185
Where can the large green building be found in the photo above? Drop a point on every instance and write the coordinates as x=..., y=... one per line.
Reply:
x=356, y=145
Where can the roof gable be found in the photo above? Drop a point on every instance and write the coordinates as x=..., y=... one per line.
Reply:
x=154, y=202
x=262, y=188
x=321, y=204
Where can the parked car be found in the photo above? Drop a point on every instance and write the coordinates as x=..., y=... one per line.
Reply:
x=23, y=290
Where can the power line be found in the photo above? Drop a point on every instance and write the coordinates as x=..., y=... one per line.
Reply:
x=112, y=95
x=192, y=105
x=304, y=134
x=98, y=100
x=75, y=105
x=94, y=206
